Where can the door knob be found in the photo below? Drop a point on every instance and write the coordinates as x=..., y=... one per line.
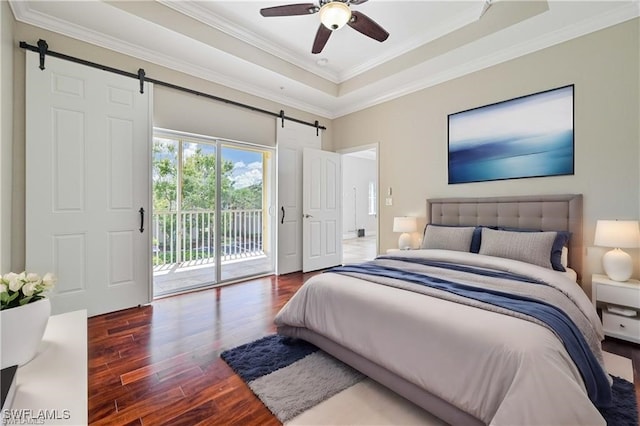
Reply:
x=306, y=216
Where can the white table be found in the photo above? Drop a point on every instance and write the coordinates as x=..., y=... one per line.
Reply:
x=54, y=383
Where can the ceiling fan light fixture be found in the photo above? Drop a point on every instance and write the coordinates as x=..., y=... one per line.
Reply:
x=334, y=15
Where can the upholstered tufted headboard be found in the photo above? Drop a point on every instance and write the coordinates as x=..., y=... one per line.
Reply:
x=543, y=212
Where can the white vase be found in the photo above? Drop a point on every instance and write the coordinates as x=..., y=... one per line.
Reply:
x=22, y=329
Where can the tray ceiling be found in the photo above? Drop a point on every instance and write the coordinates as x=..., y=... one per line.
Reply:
x=230, y=43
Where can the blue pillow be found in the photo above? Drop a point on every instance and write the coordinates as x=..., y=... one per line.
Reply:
x=476, y=240
x=562, y=239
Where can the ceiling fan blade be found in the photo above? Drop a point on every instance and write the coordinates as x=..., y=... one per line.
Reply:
x=367, y=26
x=357, y=1
x=322, y=36
x=290, y=10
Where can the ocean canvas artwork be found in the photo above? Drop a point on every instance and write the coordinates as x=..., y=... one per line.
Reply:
x=531, y=136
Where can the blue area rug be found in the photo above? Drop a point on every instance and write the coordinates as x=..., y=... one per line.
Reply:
x=290, y=376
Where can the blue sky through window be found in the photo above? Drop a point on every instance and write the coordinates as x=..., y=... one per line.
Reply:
x=247, y=166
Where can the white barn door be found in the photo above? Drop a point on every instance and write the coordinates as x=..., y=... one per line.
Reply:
x=291, y=140
x=88, y=135
x=322, y=209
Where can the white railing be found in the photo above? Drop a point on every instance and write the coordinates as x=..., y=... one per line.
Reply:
x=190, y=235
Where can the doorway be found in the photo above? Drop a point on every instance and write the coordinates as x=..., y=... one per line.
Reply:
x=211, y=221
x=359, y=204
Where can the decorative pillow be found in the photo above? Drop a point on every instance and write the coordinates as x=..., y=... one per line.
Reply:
x=530, y=247
x=477, y=238
x=448, y=237
x=558, y=262
x=561, y=242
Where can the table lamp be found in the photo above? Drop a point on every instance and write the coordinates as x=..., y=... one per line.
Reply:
x=404, y=224
x=617, y=234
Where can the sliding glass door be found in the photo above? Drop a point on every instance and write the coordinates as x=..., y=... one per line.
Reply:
x=211, y=219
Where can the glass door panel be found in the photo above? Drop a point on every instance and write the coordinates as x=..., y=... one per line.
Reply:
x=197, y=201
x=184, y=193
x=164, y=226
x=245, y=231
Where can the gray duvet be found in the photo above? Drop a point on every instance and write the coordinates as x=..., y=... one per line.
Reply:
x=501, y=369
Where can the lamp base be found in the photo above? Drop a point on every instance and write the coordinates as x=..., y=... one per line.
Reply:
x=404, y=242
x=618, y=265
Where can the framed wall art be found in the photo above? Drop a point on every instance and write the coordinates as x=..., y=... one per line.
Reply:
x=529, y=136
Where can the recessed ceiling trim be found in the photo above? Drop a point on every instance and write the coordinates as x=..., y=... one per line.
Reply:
x=469, y=16
x=206, y=16
x=617, y=16
x=198, y=12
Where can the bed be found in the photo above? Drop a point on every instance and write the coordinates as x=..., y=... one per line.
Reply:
x=465, y=359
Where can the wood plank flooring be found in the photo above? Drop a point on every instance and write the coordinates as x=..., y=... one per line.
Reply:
x=160, y=364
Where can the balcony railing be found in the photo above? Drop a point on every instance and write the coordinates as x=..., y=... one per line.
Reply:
x=190, y=235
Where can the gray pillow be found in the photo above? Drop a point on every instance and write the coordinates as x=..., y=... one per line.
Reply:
x=530, y=247
x=447, y=238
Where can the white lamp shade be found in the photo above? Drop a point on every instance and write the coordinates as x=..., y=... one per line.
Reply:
x=335, y=15
x=405, y=224
x=617, y=233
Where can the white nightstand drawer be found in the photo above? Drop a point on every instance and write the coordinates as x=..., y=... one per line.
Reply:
x=623, y=327
x=619, y=295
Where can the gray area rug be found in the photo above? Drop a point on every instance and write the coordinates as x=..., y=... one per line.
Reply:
x=304, y=384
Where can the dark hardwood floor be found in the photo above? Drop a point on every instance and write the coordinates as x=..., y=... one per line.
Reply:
x=160, y=364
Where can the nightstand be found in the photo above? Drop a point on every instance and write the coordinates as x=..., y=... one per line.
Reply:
x=620, y=303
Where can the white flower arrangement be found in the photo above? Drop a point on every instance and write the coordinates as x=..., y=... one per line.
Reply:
x=20, y=289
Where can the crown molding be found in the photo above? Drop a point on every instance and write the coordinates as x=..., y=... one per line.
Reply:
x=617, y=16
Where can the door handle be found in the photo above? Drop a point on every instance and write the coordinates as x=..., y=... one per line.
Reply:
x=141, y=211
x=282, y=220
x=306, y=216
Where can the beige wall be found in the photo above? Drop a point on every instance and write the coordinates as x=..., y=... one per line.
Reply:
x=172, y=109
x=6, y=133
x=412, y=132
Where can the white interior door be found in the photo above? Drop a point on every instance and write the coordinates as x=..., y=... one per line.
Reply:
x=88, y=135
x=291, y=140
x=322, y=209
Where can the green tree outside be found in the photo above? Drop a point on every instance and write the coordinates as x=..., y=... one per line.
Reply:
x=198, y=194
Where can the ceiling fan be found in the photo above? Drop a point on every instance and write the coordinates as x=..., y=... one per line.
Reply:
x=334, y=14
